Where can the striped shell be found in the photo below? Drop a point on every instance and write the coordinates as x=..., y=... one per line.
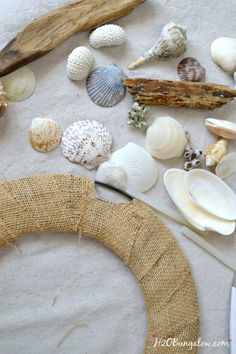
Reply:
x=79, y=63
x=107, y=36
x=87, y=143
x=189, y=69
x=3, y=100
x=105, y=85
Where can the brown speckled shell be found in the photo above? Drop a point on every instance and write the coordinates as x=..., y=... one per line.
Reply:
x=189, y=69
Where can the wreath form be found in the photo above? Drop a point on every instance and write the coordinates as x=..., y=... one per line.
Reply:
x=67, y=203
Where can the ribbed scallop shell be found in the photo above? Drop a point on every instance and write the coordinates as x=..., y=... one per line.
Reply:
x=189, y=69
x=3, y=100
x=79, y=63
x=107, y=36
x=105, y=85
x=87, y=143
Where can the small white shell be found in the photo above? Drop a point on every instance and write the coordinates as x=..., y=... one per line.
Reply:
x=199, y=218
x=45, y=134
x=223, y=52
x=138, y=164
x=112, y=174
x=79, y=63
x=165, y=138
x=107, y=36
x=87, y=143
x=223, y=128
x=210, y=193
x=226, y=166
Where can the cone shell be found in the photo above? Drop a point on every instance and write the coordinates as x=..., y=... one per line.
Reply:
x=87, y=143
x=105, y=85
x=223, y=128
x=189, y=69
x=45, y=134
x=3, y=100
x=79, y=63
x=107, y=36
x=215, y=152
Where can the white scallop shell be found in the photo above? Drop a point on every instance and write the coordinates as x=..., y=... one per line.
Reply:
x=210, y=193
x=174, y=180
x=140, y=167
x=107, y=36
x=45, y=134
x=112, y=174
x=87, y=143
x=79, y=63
x=165, y=138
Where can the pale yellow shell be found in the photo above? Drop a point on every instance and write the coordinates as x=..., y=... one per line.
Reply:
x=215, y=152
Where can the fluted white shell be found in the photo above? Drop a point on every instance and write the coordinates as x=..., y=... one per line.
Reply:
x=226, y=166
x=140, y=167
x=174, y=180
x=223, y=52
x=210, y=193
x=87, y=143
x=112, y=174
x=107, y=36
x=79, y=63
x=165, y=138
x=44, y=134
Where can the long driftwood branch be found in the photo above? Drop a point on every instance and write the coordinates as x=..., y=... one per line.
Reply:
x=179, y=93
x=47, y=32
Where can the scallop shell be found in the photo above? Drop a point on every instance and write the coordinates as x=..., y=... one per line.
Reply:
x=112, y=174
x=140, y=167
x=174, y=180
x=189, y=69
x=107, y=36
x=223, y=128
x=3, y=100
x=105, y=85
x=44, y=134
x=87, y=143
x=79, y=63
x=210, y=193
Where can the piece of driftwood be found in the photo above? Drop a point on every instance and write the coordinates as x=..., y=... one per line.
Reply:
x=47, y=32
x=179, y=93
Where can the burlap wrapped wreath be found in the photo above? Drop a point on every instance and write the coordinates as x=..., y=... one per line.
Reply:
x=132, y=230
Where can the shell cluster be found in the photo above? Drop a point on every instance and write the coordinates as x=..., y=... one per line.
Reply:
x=105, y=85
x=223, y=52
x=137, y=115
x=44, y=134
x=107, y=36
x=87, y=143
x=79, y=63
x=165, y=138
x=3, y=100
x=189, y=69
x=192, y=158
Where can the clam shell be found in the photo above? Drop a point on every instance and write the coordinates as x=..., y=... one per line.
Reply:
x=223, y=128
x=223, y=52
x=210, y=193
x=87, y=143
x=189, y=69
x=44, y=134
x=226, y=166
x=105, y=85
x=112, y=174
x=174, y=180
x=140, y=167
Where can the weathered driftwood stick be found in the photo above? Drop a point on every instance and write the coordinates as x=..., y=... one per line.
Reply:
x=179, y=93
x=47, y=32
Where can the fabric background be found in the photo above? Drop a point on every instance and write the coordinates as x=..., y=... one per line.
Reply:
x=57, y=284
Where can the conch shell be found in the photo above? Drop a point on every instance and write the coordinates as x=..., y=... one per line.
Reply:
x=223, y=128
x=171, y=44
x=214, y=153
x=3, y=100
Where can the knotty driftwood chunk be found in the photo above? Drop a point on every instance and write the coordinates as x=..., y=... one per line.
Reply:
x=47, y=32
x=179, y=93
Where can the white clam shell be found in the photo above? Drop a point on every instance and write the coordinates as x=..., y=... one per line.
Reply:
x=226, y=166
x=174, y=180
x=140, y=167
x=223, y=52
x=79, y=63
x=19, y=85
x=223, y=128
x=45, y=134
x=106, y=36
x=87, y=143
x=112, y=174
x=210, y=193
x=165, y=138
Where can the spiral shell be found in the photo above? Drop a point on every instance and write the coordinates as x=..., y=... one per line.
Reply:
x=107, y=36
x=79, y=63
x=215, y=152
